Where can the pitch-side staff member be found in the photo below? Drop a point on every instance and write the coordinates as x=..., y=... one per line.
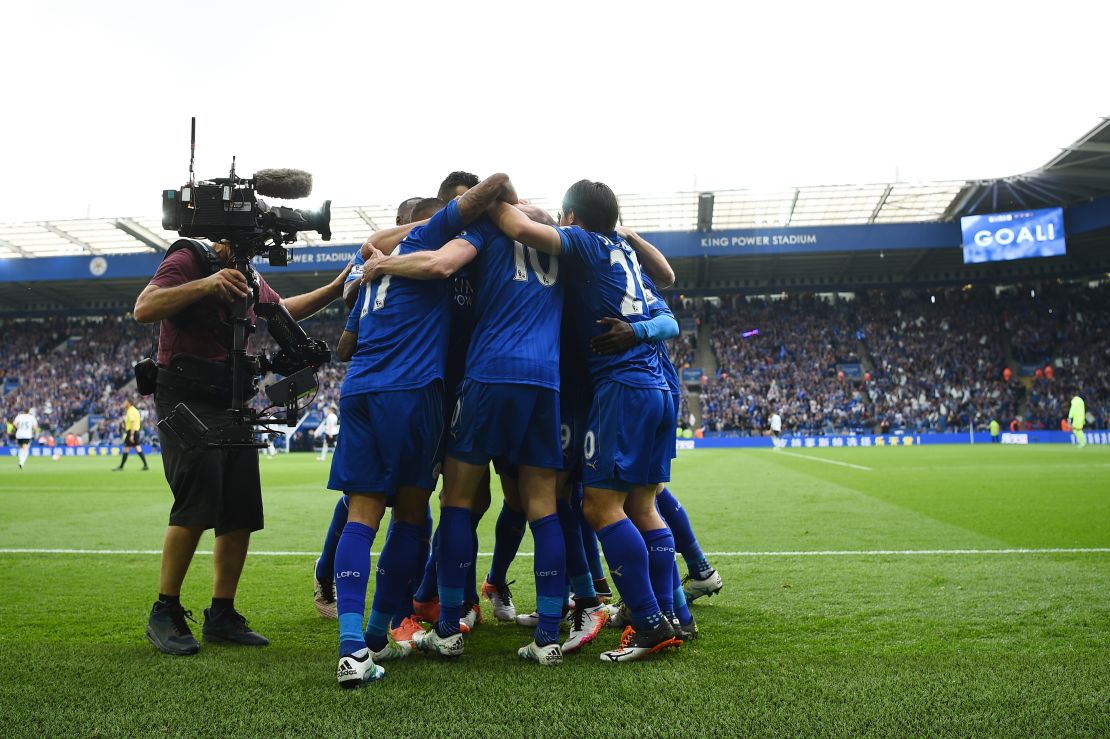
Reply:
x=212, y=489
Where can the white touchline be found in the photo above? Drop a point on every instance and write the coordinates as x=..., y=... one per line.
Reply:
x=826, y=461
x=803, y=553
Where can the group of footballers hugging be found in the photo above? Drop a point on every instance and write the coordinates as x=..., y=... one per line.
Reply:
x=482, y=331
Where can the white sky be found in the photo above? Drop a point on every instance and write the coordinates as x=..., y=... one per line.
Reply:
x=381, y=100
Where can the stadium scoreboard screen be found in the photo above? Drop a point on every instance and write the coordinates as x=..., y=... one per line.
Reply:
x=998, y=237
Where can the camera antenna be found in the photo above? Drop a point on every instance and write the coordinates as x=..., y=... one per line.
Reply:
x=192, y=150
x=232, y=175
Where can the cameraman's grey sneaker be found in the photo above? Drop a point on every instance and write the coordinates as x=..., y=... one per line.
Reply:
x=167, y=630
x=229, y=627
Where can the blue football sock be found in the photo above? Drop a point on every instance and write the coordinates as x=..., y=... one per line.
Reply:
x=377, y=626
x=352, y=572
x=424, y=547
x=684, y=540
x=628, y=564
x=660, y=546
x=507, y=535
x=681, y=609
x=325, y=566
x=428, y=588
x=396, y=566
x=578, y=572
x=456, y=542
x=472, y=581
x=397, y=618
x=589, y=538
x=550, y=569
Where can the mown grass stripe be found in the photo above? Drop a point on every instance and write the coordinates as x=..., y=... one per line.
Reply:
x=800, y=553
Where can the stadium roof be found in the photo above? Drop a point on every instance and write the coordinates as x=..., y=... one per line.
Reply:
x=1080, y=172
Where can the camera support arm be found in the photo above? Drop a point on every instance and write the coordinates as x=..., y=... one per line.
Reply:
x=241, y=328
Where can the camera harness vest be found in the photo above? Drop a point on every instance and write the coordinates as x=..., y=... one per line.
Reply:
x=210, y=264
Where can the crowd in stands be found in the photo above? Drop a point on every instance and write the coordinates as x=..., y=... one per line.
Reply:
x=900, y=360
x=65, y=368
x=782, y=355
x=908, y=360
x=1064, y=333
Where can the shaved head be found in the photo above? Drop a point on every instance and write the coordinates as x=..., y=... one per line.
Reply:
x=404, y=211
x=427, y=208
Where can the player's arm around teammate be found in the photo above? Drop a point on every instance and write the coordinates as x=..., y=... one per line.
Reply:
x=651, y=259
x=452, y=256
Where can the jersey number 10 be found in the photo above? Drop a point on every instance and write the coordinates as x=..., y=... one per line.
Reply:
x=520, y=269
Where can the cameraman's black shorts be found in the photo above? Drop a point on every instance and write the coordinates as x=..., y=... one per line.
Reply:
x=217, y=489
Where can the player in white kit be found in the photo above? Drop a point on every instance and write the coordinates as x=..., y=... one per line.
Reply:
x=776, y=430
x=330, y=429
x=26, y=425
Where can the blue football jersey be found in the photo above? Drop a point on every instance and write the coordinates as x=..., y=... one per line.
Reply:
x=357, y=263
x=604, y=281
x=462, y=326
x=518, y=307
x=657, y=307
x=404, y=324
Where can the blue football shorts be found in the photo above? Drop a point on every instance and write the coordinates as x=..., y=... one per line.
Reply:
x=509, y=424
x=390, y=439
x=630, y=438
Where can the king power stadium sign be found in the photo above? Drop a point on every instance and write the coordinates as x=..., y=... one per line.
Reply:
x=1080, y=218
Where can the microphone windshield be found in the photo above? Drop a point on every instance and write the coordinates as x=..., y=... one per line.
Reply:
x=288, y=184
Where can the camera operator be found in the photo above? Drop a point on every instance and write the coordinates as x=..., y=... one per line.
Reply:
x=212, y=489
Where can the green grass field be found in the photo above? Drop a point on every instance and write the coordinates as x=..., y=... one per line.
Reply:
x=886, y=640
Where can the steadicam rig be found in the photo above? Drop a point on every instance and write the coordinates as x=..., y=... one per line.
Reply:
x=228, y=209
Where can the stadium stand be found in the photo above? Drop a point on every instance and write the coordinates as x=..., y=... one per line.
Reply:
x=67, y=368
x=909, y=360
x=892, y=360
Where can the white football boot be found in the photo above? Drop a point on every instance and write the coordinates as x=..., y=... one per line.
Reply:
x=354, y=671
x=548, y=656
x=530, y=620
x=392, y=650
x=501, y=598
x=431, y=642
x=709, y=585
x=585, y=623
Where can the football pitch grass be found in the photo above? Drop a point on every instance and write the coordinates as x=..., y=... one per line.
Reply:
x=919, y=626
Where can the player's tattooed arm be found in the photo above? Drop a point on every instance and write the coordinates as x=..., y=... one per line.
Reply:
x=651, y=259
x=515, y=224
x=387, y=239
x=496, y=187
x=421, y=265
